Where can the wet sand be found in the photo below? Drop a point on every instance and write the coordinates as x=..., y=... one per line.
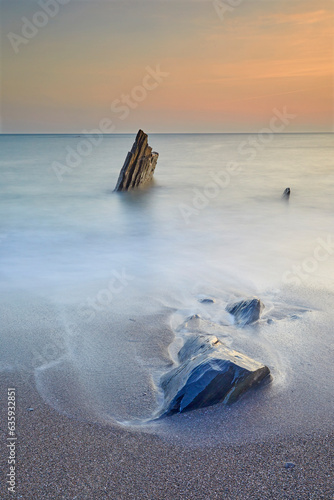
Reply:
x=58, y=457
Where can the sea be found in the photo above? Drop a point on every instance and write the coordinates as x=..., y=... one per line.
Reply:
x=98, y=287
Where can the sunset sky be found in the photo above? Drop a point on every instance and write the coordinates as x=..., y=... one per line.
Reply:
x=227, y=72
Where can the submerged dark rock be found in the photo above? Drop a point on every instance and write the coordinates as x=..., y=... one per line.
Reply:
x=286, y=194
x=246, y=311
x=209, y=373
x=193, y=317
x=207, y=301
x=139, y=165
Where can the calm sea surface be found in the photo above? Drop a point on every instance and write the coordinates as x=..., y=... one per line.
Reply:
x=95, y=284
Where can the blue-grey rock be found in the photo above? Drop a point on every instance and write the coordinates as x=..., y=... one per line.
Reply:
x=196, y=345
x=209, y=373
x=207, y=301
x=246, y=311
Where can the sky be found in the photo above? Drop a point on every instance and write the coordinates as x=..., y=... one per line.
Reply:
x=166, y=66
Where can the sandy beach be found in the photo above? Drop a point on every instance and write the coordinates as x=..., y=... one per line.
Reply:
x=61, y=458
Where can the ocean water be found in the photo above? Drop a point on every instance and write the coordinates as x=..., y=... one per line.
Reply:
x=96, y=286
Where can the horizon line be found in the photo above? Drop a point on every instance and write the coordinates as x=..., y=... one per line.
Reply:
x=80, y=134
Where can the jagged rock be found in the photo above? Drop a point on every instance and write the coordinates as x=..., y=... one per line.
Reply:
x=209, y=373
x=286, y=194
x=139, y=165
x=246, y=311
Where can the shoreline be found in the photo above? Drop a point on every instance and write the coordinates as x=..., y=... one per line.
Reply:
x=59, y=457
